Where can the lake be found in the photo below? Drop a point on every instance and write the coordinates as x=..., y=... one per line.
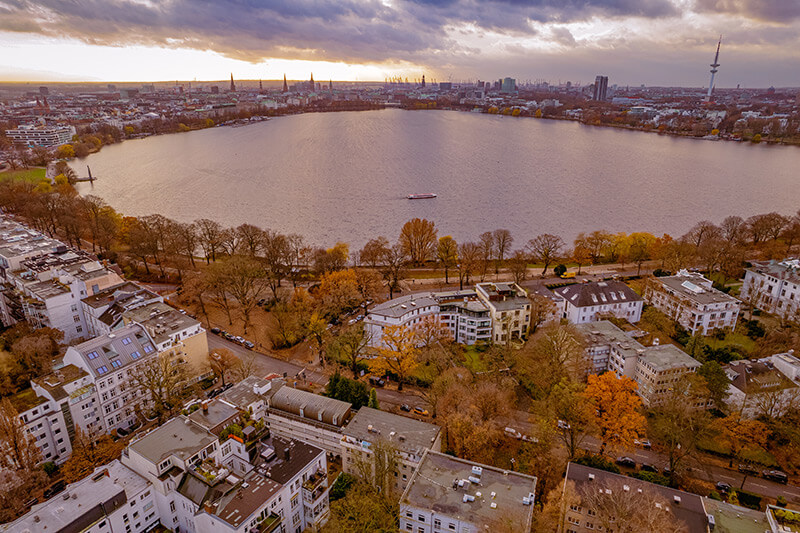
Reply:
x=345, y=176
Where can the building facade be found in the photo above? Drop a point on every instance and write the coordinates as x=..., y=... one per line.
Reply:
x=509, y=309
x=692, y=301
x=773, y=286
x=593, y=301
x=46, y=136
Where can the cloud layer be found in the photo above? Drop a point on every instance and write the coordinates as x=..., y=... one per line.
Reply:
x=444, y=35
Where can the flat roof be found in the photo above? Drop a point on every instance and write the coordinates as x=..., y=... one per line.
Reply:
x=309, y=405
x=498, y=497
x=54, y=382
x=120, y=291
x=402, y=305
x=240, y=503
x=668, y=356
x=87, y=500
x=160, y=320
x=410, y=435
x=174, y=437
x=217, y=412
x=246, y=392
x=291, y=456
x=25, y=400
x=603, y=332
x=695, y=287
x=733, y=518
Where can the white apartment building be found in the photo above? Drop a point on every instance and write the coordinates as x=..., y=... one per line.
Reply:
x=114, y=499
x=656, y=369
x=109, y=360
x=590, y=302
x=761, y=388
x=462, y=312
x=773, y=286
x=35, y=135
x=451, y=494
x=509, y=309
x=691, y=300
x=103, y=310
x=409, y=437
x=44, y=423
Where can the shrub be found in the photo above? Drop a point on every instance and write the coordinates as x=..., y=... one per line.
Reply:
x=754, y=329
x=781, y=501
x=714, y=495
x=49, y=468
x=341, y=486
x=652, y=477
x=748, y=499
x=599, y=462
x=347, y=390
x=233, y=429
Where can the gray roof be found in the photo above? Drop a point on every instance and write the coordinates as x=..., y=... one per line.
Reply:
x=216, y=416
x=174, y=437
x=504, y=296
x=694, y=287
x=160, y=320
x=402, y=305
x=125, y=345
x=431, y=488
x=756, y=377
x=690, y=510
x=734, y=519
x=123, y=292
x=89, y=500
x=55, y=381
x=410, y=435
x=236, y=506
x=597, y=293
x=786, y=269
x=308, y=405
x=603, y=332
x=245, y=392
x=666, y=357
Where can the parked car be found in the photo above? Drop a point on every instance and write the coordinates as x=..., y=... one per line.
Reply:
x=626, y=461
x=528, y=438
x=513, y=433
x=648, y=468
x=215, y=331
x=667, y=471
x=375, y=381
x=54, y=489
x=776, y=475
x=405, y=407
x=745, y=468
x=238, y=340
x=722, y=487
x=644, y=443
x=562, y=424
x=420, y=411
x=225, y=387
x=213, y=393
x=249, y=345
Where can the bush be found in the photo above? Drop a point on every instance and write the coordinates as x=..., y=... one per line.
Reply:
x=49, y=468
x=781, y=501
x=341, y=486
x=599, y=462
x=652, y=477
x=347, y=390
x=748, y=499
x=233, y=429
x=754, y=329
x=714, y=495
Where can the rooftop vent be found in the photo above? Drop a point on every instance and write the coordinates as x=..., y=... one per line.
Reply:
x=468, y=498
x=525, y=501
x=591, y=477
x=493, y=505
x=493, y=494
x=676, y=499
x=474, y=479
x=477, y=470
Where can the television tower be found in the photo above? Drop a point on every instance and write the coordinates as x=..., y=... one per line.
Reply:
x=714, y=71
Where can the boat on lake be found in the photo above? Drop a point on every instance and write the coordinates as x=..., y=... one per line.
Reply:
x=421, y=196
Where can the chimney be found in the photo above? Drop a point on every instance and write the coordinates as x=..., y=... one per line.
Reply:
x=286, y=454
x=205, y=407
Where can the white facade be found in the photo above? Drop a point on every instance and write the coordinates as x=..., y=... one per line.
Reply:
x=773, y=286
x=590, y=302
x=509, y=308
x=46, y=136
x=692, y=301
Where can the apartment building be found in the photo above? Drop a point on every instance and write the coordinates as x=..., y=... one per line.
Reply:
x=773, y=286
x=655, y=369
x=761, y=388
x=39, y=135
x=407, y=436
x=691, y=300
x=461, y=312
x=451, y=494
x=698, y=514
x=103, y=310
x=509, y=309
x=114, y=499
x=593, y=301
x=109, y=360
x=44, y=423
x=205, y=485
x=18, y=243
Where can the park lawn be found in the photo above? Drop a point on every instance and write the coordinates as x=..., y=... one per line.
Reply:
x=33, y=175
x=719, y=447
x=473, y=360
x=737, y=339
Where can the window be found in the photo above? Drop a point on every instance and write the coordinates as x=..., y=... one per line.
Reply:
x=116, y=363
x=102, y=370
x=91, y=355
x=135, y=355
x=126, y=341
x=148, y=348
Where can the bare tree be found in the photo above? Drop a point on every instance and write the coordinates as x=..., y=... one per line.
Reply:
x=158, y=380
x=418, y=239
x=545, y=249
x=486, y=243
x=447, y=254
x=278, y=256
x=244, y=280
x=221, y=361
x=502, y=242
x=392, y=270
x=373, y=252
x=250, y=239
x=210, y=234
x=469, y=256
x=518, y=264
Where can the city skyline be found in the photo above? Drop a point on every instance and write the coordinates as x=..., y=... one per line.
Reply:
x=653, y=42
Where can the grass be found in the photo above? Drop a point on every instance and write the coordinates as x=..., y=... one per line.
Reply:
x=33, y=175
x=473, y=360
x=735, y=339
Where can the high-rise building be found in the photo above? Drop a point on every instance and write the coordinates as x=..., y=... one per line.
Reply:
x=508, y=85
x=600, y=88
x=713, y=71
x=423, y=81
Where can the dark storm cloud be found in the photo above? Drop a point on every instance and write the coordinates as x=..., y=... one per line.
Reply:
x=349, y=30
x=766, y=10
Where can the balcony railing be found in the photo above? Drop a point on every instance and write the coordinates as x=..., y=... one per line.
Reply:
x=270, y=524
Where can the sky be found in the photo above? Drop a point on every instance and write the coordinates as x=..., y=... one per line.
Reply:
x=652, y=42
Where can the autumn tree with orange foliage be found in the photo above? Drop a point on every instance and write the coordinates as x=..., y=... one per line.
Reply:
x=741, y=434
x=339, y=292
x=398, y=355
x=618, y=413
x=418, y=239
x=89, y=453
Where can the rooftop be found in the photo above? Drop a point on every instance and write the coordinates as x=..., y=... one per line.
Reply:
x=55, y=381
x=215, y=413
x=26, y=400
x=160, y=320
x=82, y=503
x=666, y=357
x=734, y=519
x=755, y=377
x=503, y=296
x=178, y=436
x=603, y=332
x=597, y=293
x=785, y=269
x=119, y=292
x=406, y=434
x=308, y=405
x=282, y=459
x=108, y=353
x=444, y=484
x=689, y=510
x=237, y=505
x=695, y=287
x=248, y=391
x=402, y=305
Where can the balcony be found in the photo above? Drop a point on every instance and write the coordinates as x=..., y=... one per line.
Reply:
x=269, y=524
x=210, y=472
x=315, y=487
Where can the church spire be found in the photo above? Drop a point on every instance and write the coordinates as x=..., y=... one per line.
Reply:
x=233, y=85
x=285, y=86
